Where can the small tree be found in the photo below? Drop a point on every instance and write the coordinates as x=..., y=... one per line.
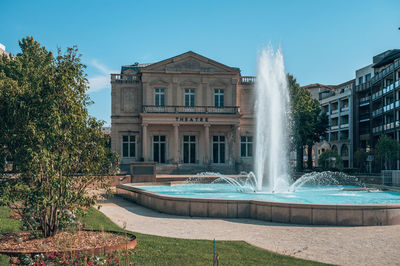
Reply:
x=387, y=150
x=330, y=160
x=360, y=157
x=58, y=149
x=308, y=123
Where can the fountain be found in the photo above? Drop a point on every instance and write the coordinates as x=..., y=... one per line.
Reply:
x=326, y=198
x=271, y=132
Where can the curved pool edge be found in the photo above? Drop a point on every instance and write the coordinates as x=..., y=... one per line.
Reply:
x=281, y=212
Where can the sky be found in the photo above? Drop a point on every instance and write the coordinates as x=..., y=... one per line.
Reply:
x=322, y=41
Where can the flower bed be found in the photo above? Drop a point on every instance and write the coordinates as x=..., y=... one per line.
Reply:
x=86, y=242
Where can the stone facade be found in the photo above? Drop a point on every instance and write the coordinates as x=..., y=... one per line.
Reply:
x=187, y=113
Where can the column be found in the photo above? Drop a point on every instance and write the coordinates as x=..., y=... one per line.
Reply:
x=207, y=143
x=144, y=142
x=176, y=143
x=237, y=143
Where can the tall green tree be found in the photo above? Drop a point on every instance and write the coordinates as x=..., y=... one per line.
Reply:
x=58, y=149
x=308, y=123
x=387, y=150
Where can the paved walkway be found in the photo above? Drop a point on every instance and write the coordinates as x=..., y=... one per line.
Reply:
x=336, y=245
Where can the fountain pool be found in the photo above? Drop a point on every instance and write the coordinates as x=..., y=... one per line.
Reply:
x=330, y=194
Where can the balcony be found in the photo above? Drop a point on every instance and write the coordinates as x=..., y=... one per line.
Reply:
x=344, y=109
x=335, y=127
x=247, y=80
x=335, y=111
x=344, y=125
x=364, y=101
x=363, y=87
x=364, y=117
x=385, y=72
x=190, y=109
x=124, y=78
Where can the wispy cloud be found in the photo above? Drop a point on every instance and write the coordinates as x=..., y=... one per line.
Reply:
x=101, y=81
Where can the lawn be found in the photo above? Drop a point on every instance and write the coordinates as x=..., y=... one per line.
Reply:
x=155, y=250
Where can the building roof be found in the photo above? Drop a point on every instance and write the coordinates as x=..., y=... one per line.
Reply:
x=387, y=58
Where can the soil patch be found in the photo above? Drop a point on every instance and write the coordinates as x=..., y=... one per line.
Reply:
x=23, y=242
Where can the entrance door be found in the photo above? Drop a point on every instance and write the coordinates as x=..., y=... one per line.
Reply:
x=218, y=149
x=159, y=148
x=189, y=149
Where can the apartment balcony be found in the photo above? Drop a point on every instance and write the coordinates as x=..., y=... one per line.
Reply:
x=364, y=117
x=247, y=80
x=124, y=78
x=363, y=87
x=364, y=101
x=335, y=111
x=190, y=109
x=344, y=109
x=344, y=125
x=335, y=127
x=385, y=72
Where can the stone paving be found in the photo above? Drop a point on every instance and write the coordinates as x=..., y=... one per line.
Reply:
x=374, y=245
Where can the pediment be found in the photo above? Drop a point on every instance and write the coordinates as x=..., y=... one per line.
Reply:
x=190, y=62
x=189, y=83
x=158, y=82
x=218, y=83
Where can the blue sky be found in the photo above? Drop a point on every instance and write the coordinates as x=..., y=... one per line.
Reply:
x=322, y=41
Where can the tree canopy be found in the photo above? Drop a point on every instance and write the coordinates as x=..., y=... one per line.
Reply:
x=57, y=149
x=330, y=160
x=387, y=150
x=309, y=123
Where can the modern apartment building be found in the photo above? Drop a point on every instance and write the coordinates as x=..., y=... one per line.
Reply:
x=187, y=113
x=377, y=98
x=336, y=102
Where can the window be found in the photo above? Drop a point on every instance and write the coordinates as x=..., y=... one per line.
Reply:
x=189, y=149
x=218, y=97
x=218, y=149
x=159, y=148
x=368, y=77
x=189, y=97
x=159, y=97
x=360, y=80
x=246, y=146
x=129, y=146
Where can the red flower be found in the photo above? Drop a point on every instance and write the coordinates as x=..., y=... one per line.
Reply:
x=116, y=261
x=90, y=263
x=109, y=261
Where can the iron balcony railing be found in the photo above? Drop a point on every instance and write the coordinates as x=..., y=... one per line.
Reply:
x=190, y=109
x=247, y=80
x=124, y=78
x=385, y=72
x=363, y=86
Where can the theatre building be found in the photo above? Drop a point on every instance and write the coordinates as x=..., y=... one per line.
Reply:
x=187, y=113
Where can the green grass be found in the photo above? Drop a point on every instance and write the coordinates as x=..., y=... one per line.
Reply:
x=7, y=225
x=155, y=250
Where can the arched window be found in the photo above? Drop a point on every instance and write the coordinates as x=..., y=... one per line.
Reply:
x=344, y=150
x=334, y=148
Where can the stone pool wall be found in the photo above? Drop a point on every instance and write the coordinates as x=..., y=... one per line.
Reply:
x=294, y=213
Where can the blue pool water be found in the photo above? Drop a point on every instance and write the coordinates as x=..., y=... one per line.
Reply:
x=304, y=194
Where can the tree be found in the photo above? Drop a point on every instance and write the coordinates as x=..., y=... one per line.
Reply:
x=320, y=125
x=330, y=160
x=58, y=149
x=387, y=150
x=308, y=123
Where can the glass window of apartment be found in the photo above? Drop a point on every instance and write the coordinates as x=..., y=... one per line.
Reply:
x=246, y=146
x=129, y=146
x=159, y=148
x=189, y=97
x=360, y=80
x=218, y=149
x=159, y=97
x=218, y=97
x=368, y=77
